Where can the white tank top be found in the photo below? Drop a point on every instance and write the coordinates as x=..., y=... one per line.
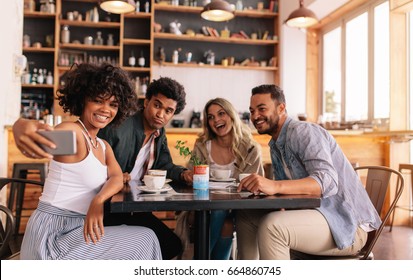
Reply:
x=214, y=165
x=72, y=186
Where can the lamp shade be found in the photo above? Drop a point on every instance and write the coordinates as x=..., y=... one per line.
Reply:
x=217, y=10
x=301, y=18
x=117, y=6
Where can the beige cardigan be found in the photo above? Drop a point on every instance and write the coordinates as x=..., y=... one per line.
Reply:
x=251, y=163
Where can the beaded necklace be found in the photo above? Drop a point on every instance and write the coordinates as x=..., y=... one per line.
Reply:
x=95, y=146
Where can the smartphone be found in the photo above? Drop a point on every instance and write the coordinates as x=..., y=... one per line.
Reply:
x=65, y=141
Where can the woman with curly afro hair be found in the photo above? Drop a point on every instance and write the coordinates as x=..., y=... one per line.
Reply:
x=68, y=222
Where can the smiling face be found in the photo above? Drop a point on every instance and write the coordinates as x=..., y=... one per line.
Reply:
x=266, y=114
x=158, y=111
x=99, y=112
x=218, y=120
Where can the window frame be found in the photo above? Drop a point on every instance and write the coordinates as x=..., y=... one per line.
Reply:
x=341, y=22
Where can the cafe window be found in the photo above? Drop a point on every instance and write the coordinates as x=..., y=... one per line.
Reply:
x=410, y=75
x=355, y=66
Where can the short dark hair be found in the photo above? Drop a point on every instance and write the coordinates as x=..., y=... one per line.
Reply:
x=170, y=89
x=88, y=81
x=276, y=92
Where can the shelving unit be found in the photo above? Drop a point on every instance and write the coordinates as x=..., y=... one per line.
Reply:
x=134, y=33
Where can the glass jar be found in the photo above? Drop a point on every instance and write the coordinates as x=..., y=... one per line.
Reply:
x=26, y=41
x=65, y=36
x=110, y=41
x=99, y=39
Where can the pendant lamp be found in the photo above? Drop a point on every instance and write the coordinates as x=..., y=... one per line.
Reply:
x=217, y=10
x=117, y=6
x=302, y=17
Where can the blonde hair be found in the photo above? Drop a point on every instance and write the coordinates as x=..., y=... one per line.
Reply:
x=241, y=133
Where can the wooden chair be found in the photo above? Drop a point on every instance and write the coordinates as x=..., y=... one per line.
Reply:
x=405, y=207
x=7, y=227
x=377, y=185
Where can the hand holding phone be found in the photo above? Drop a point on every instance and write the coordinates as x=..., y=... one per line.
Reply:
x=65, y=141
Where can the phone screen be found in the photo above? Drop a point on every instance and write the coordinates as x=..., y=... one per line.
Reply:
x=65, y=141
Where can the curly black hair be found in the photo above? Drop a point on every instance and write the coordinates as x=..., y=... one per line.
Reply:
x=88, y=81
x=170, y=89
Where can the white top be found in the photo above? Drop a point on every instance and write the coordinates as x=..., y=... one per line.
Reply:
x=214, y=165
x=72, y=186
x=143, y=155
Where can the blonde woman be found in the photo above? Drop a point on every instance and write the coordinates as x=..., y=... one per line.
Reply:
x=226, y=143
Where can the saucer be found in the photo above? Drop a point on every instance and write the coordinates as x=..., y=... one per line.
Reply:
x=145, y=189
x=222, y=180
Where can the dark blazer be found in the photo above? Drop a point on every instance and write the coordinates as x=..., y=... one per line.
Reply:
x=126, y=141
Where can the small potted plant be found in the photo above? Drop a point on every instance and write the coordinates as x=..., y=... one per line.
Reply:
x=200, y=169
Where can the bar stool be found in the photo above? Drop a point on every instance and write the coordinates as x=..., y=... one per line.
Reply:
x=16, y=196
x=410, y=206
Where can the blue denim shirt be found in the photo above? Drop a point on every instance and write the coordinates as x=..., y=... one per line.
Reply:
x=310, y=151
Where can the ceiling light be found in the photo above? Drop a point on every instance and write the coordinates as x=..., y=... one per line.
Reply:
x=217, y=10
x=302, y=17
x=117, y=6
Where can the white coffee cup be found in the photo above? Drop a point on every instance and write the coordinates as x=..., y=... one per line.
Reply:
x=221, y=173
x=243, y=175
x=157, y=172
x=154, y=182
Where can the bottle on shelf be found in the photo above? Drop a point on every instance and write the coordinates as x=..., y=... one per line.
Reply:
x=49, y=78
x=40, y=77
x=52, y=6
x=99, y=39
x=175, y=57
x=132, y=60
x=147, y=7
x=65, y=36
x=141, y=60
x=34, y=76
x=137, y=6
x=110, y=41
x=95, y=15
x=239, y=5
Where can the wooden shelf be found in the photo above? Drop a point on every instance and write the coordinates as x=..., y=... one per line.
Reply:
x=89, y=47
x=138, y=15
x=128, y=41
x=39, y=15
x=38, y=50
x=136, y=69
x=233, y=67
x=197, y=10
x=184, y=37
x=36, y=86
x=91, y=24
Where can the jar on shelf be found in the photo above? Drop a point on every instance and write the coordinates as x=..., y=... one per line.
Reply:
x=65, y=36
x=26, y=41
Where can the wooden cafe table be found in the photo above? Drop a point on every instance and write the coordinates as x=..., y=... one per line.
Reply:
x=184, y=198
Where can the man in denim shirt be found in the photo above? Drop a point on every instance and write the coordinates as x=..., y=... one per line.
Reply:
x=306, y=160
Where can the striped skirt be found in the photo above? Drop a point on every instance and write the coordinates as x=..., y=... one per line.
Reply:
x=57, y=234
